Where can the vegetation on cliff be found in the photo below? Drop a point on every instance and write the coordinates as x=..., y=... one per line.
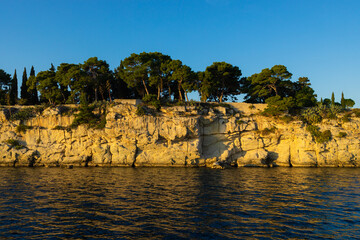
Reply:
x=160, y=80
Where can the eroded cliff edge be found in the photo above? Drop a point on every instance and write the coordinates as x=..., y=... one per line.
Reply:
x=179, y=137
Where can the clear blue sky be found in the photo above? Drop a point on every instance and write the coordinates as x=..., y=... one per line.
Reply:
x=315, y=38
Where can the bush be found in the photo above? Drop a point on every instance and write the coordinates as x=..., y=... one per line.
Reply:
x=23, y=114
x=22, y=128
x=14, y=143
x=62, y=128
x=277, y=105
x=151, y=99
x=140, y=111
x=64, y=110
x=320, y=137
x=85, y=116
x=342, y=134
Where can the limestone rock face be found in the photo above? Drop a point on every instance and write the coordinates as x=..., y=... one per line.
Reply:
x=217, y=137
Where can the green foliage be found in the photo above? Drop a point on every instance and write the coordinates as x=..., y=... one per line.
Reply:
x=97, y=74
x=342, y=134
x=220, y=82
x=49, y=87
x=24, y=94
x=87, y=117
x=273, y=86
x=278, y=105
x=185, y=78
x=32, y=88
x=146, y=72
x=22, y=128
x=13, y=92
x=151, y=99
x=23, y=114
x=62, y=128
x=349, y=103
x=320, y=137
x=268, y=83
x=140, y=110
x=317, y=114
x=14, y=143
x=5, y=85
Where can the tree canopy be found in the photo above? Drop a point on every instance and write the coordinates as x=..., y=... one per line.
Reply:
x=219, y=82
x=5, y=84
x=155, y=76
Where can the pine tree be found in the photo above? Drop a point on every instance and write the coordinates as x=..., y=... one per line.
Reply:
x=332, y=98
x=13, y=94
x=32, y=89
x=24, y=95
x=343, y=102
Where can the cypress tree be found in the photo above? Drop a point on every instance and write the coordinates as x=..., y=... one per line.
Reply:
x=332, y=98
x=343, y=102
x=31, y=83
x=24, y=95
x=13, y=94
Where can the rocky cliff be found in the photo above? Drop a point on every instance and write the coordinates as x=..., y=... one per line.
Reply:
x=214, y=136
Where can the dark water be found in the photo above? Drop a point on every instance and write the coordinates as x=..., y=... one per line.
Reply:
x=168, y=203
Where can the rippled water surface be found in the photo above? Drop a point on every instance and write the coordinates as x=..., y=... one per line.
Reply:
x=179, y=203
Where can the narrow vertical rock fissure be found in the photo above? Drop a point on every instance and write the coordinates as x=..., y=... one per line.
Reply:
x=135, y=154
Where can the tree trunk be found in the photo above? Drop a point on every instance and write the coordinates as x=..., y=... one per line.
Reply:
x=221, y=97
x=158, y=94
x=109, y=96
x=147, y=92
x=96, y=97
x=180, y=95
x=186, y=96
x=169, y=93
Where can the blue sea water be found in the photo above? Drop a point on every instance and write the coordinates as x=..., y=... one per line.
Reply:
x=179, y=203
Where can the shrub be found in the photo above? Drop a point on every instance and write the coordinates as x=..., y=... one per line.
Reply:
x=324, y=137
x=312, y=115
x=85, y=116
x=101, y=124
x=64, y=110
x=320, y=137
x=342, y=134
x=277, y=105
x=62, y=128
x=151, y=99
x=14, y=143
x=140, y=111
x=23, y=114
x=22, y=128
